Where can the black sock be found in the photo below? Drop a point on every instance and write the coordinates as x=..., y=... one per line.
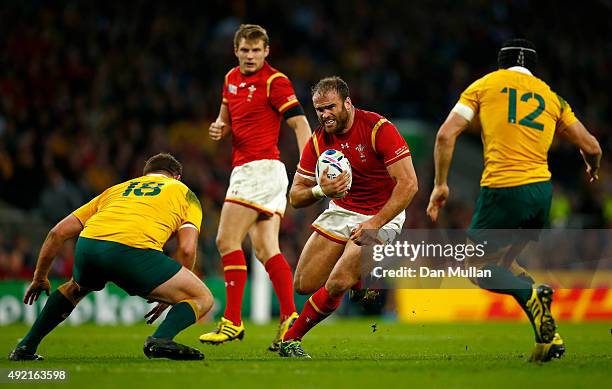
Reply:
x=57, y=308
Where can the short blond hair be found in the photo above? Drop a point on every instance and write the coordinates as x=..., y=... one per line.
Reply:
x=251, y=32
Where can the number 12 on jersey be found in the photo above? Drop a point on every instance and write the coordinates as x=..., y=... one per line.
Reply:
x=529, y=120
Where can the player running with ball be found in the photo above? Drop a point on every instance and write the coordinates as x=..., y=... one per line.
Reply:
x=383, y=184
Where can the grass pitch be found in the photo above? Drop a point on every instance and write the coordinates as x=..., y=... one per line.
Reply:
x=347, y=353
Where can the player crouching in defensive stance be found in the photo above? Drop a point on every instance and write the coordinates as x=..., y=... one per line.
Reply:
x=121, y=235
x=383, y=184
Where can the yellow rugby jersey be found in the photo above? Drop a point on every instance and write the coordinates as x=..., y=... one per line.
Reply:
x=140, y=213
x=519, y=115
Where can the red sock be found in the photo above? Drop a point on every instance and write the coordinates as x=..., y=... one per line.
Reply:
x=234, y=269
x=282, y=280
x=318, y=307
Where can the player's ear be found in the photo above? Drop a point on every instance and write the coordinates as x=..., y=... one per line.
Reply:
x=266, y=51
x=347, y=102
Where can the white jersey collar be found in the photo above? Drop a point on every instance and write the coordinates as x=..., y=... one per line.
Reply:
x=520, y=69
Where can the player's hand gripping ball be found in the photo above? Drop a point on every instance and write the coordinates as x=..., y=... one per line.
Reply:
x=335, y=162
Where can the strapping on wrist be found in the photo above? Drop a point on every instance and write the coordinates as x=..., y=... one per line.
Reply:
x=317, y=192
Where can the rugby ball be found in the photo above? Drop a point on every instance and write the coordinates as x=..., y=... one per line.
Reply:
x=335, y=162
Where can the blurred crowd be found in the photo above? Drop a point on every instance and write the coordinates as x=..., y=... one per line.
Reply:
x=89, y=90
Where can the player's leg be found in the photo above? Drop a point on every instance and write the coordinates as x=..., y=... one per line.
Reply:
x=233, y=226
x=316, y=262
x=324, y=301
x=264, y=237
x=500, y=209
x=58, y=307
x=190, y=300
x=525, y=206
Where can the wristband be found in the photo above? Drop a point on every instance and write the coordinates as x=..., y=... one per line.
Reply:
x=317, y=192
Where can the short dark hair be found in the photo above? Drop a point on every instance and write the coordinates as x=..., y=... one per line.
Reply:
x=251, y=32
x=517, y=52
x=331, y=84
x=163, y=162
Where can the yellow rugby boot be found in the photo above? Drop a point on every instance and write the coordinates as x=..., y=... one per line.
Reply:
x=544, y=352
x=538, y=310
x=282, y=330
x=226, y=332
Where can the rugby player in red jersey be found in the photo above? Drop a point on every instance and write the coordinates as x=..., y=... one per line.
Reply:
x=383, y=184
x=255, y=99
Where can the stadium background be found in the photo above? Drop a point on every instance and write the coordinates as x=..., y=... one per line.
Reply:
x=89, y=90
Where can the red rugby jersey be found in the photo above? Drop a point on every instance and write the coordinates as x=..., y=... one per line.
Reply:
x=256, y=103
x=372, y=144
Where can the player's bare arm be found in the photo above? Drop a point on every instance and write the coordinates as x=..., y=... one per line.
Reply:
x=452, y=127
x=67, y=228
x=589, y=147
x=222, y=126
x=301, y=127
x=302, y=195
x=406, y=186
x=187, y=237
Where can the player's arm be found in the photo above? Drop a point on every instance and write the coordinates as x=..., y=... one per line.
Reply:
x=187, y=239
x=222, y=126
x=305, y=191
x=406, y=186
x=300, y=125
x=446, y=138
x=588, y=144
x=66, y=229
x=283, y=99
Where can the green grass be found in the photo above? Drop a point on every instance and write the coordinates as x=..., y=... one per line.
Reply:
x=345, y=354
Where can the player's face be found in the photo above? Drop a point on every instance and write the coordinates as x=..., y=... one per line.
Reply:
x=251, y=55
x=332, y=112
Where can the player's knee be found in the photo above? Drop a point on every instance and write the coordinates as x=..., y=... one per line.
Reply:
x=205, y=304
x=220, y=242
x=226, y=245
x=203, y=300
x=72, y=291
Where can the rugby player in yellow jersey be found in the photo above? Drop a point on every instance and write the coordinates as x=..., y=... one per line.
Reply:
x=121, y=235
x=519, y=115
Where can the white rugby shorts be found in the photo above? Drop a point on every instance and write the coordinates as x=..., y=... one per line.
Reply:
x=336, y=224
x=260, y=185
